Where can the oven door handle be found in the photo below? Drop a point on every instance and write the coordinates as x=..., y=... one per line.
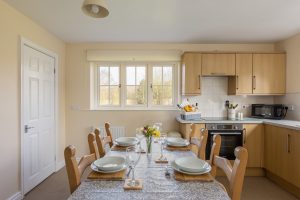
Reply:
x=226, y=133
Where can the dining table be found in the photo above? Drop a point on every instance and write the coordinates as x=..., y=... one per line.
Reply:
x=156, y=184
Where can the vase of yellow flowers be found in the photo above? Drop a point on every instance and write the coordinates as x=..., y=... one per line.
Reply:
x=149, y=133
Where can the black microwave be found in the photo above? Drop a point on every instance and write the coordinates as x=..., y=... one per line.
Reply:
x=269, y=111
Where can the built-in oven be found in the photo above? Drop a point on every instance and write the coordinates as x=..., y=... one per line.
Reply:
x=231, y=137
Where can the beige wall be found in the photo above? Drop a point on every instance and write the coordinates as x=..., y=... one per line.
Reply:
x=292, y=47
x=77, y=90
x=13, y=25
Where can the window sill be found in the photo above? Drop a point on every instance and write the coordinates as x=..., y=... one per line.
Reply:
x=135, y=109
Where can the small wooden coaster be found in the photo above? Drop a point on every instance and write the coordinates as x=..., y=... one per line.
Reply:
x=161, y=161
x=185, y=177
x=172, y=148
x=138, y=187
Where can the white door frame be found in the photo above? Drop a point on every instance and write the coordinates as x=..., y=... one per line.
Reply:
x=25, y=42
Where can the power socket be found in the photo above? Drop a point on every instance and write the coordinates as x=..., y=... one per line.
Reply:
x=291, y=107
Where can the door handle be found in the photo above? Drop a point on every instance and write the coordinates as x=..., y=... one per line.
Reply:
x=254, y=82
x=27, y=128
x=288, y=143
x=199, y=82
x=237, y=82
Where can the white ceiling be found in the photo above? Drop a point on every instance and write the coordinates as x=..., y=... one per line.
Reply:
x=189, y=21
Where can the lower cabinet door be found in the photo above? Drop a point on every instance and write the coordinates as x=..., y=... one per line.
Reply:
x=254, y=144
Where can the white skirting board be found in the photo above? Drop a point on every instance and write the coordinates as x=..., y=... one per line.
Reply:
x=16, y=196
x=59, y=165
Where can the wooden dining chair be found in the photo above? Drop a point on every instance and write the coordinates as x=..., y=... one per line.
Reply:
x=235, y=174
x=102, y=142
x=93, y=146
x=215, y=151
x=198, y=145
x=74, y=169
x=108, y=133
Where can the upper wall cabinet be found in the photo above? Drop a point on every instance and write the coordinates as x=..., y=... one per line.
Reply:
x=191, y=74
x=218, y=64
x=269, y=73
x=241, y=83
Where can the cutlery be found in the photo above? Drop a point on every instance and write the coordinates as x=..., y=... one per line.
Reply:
x=128, y=173
x=167, y=173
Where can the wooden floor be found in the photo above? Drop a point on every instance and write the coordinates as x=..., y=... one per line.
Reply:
x=255, y=188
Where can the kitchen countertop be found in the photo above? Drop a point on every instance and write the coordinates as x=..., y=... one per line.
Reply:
x=291, y=124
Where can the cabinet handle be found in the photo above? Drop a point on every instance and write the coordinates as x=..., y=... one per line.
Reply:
x=244, y=136
x=237, y=82
x=199, y=79
x=254, y=82
x=288, y=143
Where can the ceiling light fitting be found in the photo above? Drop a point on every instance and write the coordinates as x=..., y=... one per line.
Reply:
x=95, y=8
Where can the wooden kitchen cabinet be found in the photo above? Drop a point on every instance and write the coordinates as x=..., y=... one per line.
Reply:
x=294, y=158
x=276, y=153
x=218, y=64
x=253, y=142
x=191, y=74
x=241, y=83
x=282, y=154
x=269, y=73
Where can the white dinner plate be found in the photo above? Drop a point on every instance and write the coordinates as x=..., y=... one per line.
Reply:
x=191, y=164
x=126, y=141
x=176, y=168
x=95, y=168
x=178, y=142
x=109, y=163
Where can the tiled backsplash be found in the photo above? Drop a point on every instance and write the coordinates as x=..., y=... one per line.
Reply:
x=211, y=103
x=290, y=99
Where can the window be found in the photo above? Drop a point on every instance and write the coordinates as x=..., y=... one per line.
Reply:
x=109, y=85
x=135, y=86
x=162, y=85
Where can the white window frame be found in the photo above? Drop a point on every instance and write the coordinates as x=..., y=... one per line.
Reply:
x=94, y=105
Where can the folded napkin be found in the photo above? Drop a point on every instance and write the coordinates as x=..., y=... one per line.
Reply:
x=185, y=177
x=173, y=148
x=109, y=176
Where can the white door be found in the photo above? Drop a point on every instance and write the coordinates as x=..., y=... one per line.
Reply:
x=38, y=117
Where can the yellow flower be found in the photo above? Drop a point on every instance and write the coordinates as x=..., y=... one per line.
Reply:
x=156, y=133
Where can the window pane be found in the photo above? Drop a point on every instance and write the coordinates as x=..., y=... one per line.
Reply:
x=167, y=75
x=140, y=74
x=114, y=95
x=104, y=95
x=130, y=75
x=141, y=94
x=167, y=95
x=157, y=75
x=131, y=95
x=103, y=75
x=114, y=76
x=157, y=95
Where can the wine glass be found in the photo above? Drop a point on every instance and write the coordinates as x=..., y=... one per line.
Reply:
x=132, y=158
x=139, y=134
x=162, y=142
